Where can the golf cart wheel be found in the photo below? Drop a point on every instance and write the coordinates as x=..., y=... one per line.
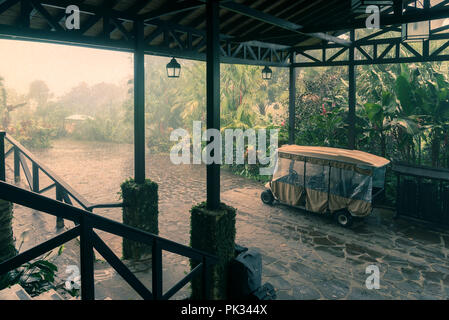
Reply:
x=344, y=218
x=267, y=197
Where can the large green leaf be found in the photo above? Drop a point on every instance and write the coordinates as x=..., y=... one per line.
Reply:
x=374, y=112
x=440, y=80
x=443, y=94
x=387, y=99
x=444, y=110
x=404, y=94
x=410, y=126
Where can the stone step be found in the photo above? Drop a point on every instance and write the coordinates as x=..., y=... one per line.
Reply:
x=16, y=292
x=49, y=295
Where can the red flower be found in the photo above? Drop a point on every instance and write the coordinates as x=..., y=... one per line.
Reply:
x=324, y=110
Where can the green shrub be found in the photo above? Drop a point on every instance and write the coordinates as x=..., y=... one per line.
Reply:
x=251, y=171
x=104, y=130
x=32, y=134
x=159, y=144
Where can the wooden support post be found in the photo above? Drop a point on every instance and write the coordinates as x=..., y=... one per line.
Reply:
x=292, y=101
x=426, y=43
x=156, y=271
x=2, y=157
x=35, y=177
x=87, y=260
x=213, y=96
x=59, y=197
x=107, y=24
x=213, y=231
x=7, y=246
x=352, y=94
x=398, y=195
x=140, y=210
x=139, y=103
x=205, y=282
x=398, y=6
x=25, y=11
x=16, y=165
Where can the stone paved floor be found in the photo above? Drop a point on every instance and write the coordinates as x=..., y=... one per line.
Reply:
x=305, y=256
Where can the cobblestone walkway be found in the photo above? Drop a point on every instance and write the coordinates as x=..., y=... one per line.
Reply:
x=305, y=256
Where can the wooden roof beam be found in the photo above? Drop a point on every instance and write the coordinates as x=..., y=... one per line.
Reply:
x=284, y=24
x=387, y=20
x=6, y=4
x=176, y=8
x=90, y=9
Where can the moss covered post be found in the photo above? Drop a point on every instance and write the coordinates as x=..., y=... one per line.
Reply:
x=213, y=231
x=140, y=210
x=7, y=245
x=213, y=223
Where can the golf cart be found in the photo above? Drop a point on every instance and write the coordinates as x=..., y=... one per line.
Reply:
x=327, y=181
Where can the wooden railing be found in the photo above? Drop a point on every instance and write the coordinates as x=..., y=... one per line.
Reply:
x=85, y=224
x=64, y=192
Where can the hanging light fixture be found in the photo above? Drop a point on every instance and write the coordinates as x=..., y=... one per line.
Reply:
x=173, y=69
x=415, y=31
x=267, y=73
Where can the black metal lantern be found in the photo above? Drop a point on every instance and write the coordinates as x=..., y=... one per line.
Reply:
x=415, y=31
x=173, y=69
x=267, y=73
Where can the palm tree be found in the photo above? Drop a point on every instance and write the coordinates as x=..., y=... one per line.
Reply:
x=422, y=112
x=380, y=117
x=432, y=92
x=243, y=101
x=191, y=98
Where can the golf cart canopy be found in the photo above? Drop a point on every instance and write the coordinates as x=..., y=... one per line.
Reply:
x=334, y=154
x=326, y=179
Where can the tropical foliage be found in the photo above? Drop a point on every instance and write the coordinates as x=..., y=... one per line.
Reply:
x=410, y=119
x=37, y=276
x=402, y=110
x=247, y=101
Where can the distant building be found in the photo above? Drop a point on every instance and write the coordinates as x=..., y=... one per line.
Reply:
x=71, y=122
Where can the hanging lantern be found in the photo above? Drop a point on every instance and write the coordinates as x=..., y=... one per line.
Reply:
x=267, y=73
x=173, y=69
x=415, y=31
